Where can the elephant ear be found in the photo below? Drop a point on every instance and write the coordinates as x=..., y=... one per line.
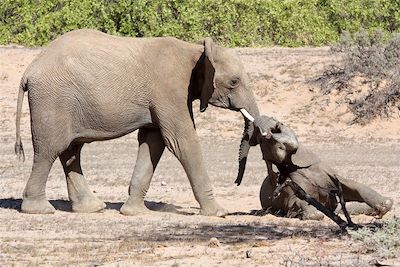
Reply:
x=304, y=158
x=209, y=73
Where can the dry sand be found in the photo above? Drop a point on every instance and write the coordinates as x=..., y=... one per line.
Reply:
x=179, y=236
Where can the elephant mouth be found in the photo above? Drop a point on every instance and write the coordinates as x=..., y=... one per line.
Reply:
x=221, y=103
x=224, y=102
x=231, y=106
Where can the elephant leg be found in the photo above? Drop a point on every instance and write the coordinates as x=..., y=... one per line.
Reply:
x=303, y=195
x=343, y=202
x=151, y=147
x=354, y=191
x=184, y=144
x=309, y=212
x=34, y=196
x=302, y=208
x=267, y=193
x=357, y=208
x=82, y=199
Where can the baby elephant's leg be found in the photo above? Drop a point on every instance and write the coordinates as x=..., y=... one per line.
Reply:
x=354, y=191
x=265, y=196
x=279, y=205
x=357, y=208
x=309, y=212
x=312, y=201
x=266, y=193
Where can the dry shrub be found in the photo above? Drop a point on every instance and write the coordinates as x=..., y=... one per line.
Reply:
x=383, y=241
x=375, y=59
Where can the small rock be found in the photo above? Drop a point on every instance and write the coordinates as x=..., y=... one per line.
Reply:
x=3, y=76
x=163, y=183
x=214, y=243
x=375, y=262
x=248, y=254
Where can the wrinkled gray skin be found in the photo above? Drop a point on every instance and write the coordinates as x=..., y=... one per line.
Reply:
x=362, y=200
x=314, y=176
x=89, y=86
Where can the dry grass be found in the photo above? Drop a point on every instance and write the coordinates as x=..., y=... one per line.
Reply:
x=382, y=239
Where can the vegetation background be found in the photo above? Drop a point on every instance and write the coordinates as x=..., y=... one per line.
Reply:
x=231, y=22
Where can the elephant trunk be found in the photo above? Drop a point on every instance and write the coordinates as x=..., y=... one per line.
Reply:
x=247, y=141
x=244, y=149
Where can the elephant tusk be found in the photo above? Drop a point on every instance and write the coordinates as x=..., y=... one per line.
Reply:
x=247, y=115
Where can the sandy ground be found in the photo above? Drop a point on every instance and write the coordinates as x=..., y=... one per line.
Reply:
x=174, y=234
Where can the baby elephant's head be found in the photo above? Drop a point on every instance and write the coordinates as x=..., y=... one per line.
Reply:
x=277, y=141
x=279, y=145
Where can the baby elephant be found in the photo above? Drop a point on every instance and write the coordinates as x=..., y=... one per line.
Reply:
x=306, y=184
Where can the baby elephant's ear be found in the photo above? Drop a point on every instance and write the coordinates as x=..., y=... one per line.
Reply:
x=304, y=158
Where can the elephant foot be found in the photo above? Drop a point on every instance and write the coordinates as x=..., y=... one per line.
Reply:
x=88, y=205
x=37, y=206
x=384, y=207
x=135, y=208
x=213, y=209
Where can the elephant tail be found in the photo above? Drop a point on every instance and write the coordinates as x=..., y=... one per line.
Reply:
x=19, y=149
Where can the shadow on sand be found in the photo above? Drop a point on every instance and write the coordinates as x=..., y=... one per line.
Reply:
x=226, y=231
x=65, y=205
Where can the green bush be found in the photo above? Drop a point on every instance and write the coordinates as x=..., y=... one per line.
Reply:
x=232, y=22
x=30, y=23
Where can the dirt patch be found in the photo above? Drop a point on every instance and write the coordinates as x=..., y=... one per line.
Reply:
x=178, y=236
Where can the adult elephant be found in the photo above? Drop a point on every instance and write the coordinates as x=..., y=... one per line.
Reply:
x=89, y=86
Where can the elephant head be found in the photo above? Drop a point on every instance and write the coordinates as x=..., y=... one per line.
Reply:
x=277, y=141
x=279, y=144
x=225, y=84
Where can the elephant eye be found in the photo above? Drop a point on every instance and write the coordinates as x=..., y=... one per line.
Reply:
x=234, y=82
